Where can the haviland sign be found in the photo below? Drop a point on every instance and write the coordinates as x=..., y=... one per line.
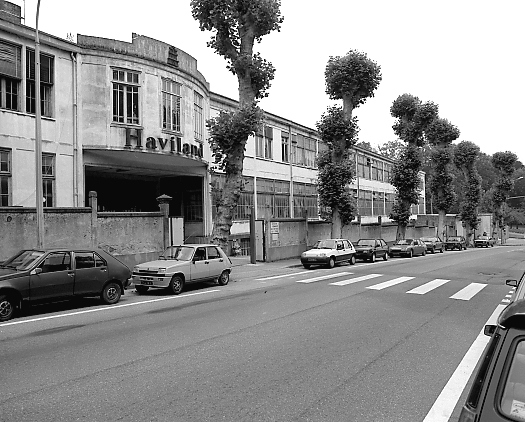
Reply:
x=173, y=144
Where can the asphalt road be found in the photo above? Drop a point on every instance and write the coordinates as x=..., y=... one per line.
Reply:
x=279, y=343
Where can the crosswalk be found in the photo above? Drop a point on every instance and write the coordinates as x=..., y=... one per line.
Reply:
x=346, y=278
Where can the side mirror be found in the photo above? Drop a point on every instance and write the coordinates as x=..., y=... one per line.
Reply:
x=511, y=283
x=35, y=271
x=489, y=330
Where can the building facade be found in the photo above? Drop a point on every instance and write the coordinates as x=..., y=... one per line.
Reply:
x=128, y=121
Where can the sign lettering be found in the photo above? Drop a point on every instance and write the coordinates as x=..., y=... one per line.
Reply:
x=172, y=144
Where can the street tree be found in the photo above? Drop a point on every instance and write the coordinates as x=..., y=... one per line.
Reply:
x=391, y=149
x=440, y=133
x=503, y=163
x=413, y=117
x=236, y=26
x=352, y=78
x=465, y=158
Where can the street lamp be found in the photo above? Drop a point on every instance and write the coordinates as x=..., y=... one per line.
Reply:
x=38, y=141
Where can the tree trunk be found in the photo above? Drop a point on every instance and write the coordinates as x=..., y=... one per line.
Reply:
x=337, y=227
x=441, y=224
x=401, y=231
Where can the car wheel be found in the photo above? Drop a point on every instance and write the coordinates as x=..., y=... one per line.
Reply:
x=224, y=278
x=385, y=256
x=441, y=250
x=141, y=289
x=176, y=285
x=433, y=250
x=331, y=263
x=307, y=266
x=111, y=293
x=7, y=308
x=465, y=247
x=352, y=260
x=373, y=257
x=424, y=252
x=410, y=254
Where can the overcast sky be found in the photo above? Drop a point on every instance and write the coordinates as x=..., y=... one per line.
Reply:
x=467, y=56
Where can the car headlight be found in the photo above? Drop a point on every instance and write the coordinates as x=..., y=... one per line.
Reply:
x=135, y=269
x=161, y=270
x=322, y=254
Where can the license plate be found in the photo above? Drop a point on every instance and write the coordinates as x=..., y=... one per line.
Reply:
x=147, y=282
x=312, y=259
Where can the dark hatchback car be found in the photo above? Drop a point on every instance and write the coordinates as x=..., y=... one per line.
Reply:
x=34, y=276
x=498, y=390
x=456, y=242
x=408, y=247
x=371, y=249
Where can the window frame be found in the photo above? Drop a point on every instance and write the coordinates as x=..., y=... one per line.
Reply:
x=5, y=177
x=121, y=91
x=198, y=116
x=49, y=179
x=171, y=105
x=47, y=83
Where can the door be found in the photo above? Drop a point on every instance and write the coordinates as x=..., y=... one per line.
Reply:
x=56, y=279
x=216, y=262
x=176, y=227
x=91, y=272
x=200, y=265
x=259, y=240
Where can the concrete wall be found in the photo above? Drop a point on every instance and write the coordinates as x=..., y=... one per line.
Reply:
x=285, y=238
x=133, y=237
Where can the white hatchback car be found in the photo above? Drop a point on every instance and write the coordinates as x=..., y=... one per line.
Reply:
x=329, y=252
x=182, y=264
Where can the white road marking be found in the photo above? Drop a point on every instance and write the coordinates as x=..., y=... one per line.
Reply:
x=355, y=280
x=389, y=283
x=427, y=287
x=506, y=300
x=323, y=277
x=444, y=405
x=468, y=292
x=106, y=308
x=273, y=277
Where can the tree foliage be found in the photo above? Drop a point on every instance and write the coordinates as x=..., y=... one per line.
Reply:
x=465, y=157
x=504, y=163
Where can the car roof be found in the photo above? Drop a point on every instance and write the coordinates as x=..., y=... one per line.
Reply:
x=513, y=316
x=193, y=245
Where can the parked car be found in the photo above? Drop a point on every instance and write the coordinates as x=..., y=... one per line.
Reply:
x=371, y=249
x=456, y=242
x=329, y=252
x=37, y=275
x=498, y=390
x=484, y=241
x=433, y=244
x=408, y=247
x=183, y=264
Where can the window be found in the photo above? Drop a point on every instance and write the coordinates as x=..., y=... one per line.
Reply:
x=263, y=143
x=285, y=154
x=246, y=200
x=5, y=176
x=259, y=144
x=48, y=179
x=513, y=400
x=125, y=96
x=303, y=150
x=171, y=113
x=88, y=260
x=305, y=200
x=56, y=261
x=193, y=205
x=10, y=75
x=213, y=253
x=198, y=116
x=46, y=83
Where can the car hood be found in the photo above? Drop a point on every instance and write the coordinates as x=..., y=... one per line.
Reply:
x=161, y=263
x=317, y=252
x=7, y=273
x=363, y=248
x=400, y=247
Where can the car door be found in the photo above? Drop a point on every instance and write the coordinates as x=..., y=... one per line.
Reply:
x=384, y=247
x=339, y=251
x=420, y=246
x=216, y=262
x=91, y=272
x=348, y=249
x=199, y=268
x=54, y=278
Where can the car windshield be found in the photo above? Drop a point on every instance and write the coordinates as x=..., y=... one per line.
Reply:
x=454, y=239
x=179, y=253
x=325, y=244
x=23, y=260
x=428, y=239
x=404, y=241
x=366, y=242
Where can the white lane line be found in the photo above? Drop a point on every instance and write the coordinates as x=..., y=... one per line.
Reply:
x=427, y=287
x=444, y=405
x=355, y=280
x=107, y=308
x=389, y=283
x=323, y=277
x=273, y=277
x=506, y=300
x=468, y=292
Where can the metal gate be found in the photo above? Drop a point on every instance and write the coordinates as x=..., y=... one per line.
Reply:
x=176, y=226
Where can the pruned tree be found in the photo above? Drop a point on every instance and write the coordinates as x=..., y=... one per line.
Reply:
x=391, y=149
x=352, y=78
x=236, y=26
x=503, y=162
x=413, y=117
x=440, y=133
x=465, y=159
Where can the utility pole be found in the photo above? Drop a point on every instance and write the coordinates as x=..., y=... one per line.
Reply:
x=38, y=142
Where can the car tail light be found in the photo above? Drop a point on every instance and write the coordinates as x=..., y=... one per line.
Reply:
x=467, y=415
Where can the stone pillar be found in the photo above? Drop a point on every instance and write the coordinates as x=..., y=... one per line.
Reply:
x=164, y=205
x=93, y=203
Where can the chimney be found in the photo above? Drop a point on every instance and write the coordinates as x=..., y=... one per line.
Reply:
x=10, y=12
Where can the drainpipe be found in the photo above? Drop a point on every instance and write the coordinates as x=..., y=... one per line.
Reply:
x=291, y=171
x=75, y=132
